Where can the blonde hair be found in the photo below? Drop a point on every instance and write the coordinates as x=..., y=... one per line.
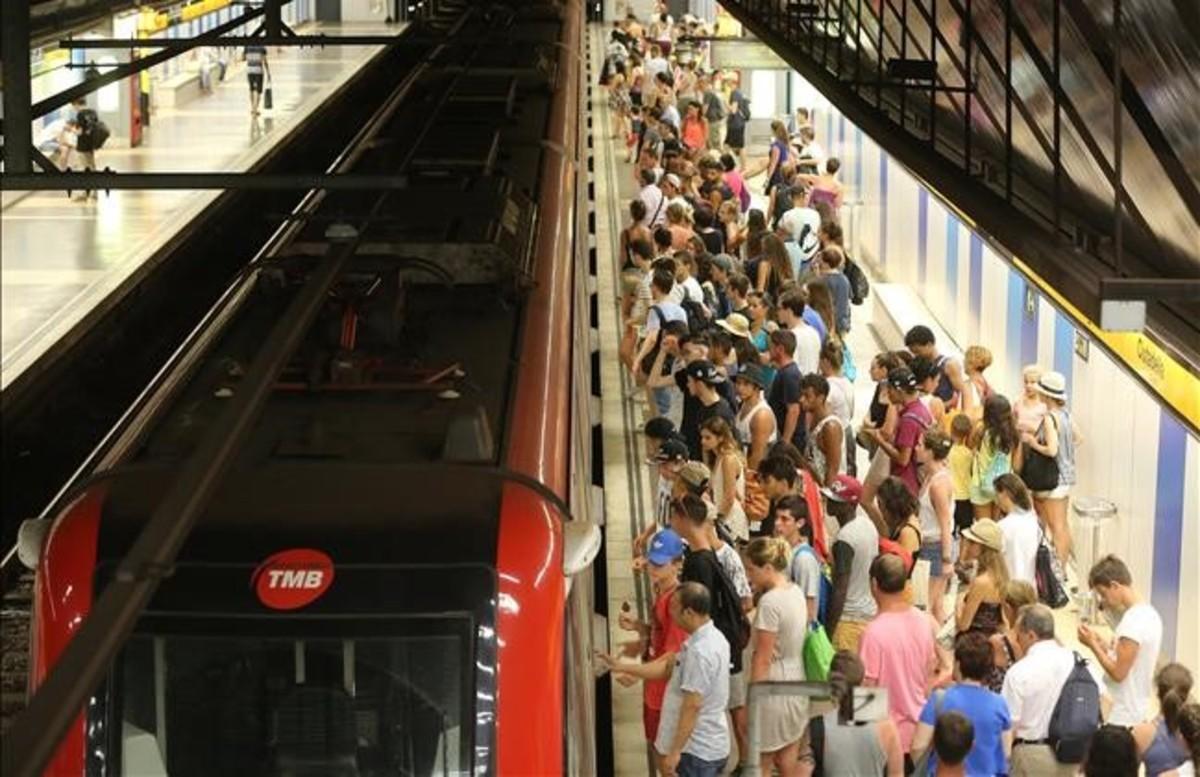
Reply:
x=1018, y=593
x=992, y=562
x=977, y=357
x=769, y=552
x=1031, y=371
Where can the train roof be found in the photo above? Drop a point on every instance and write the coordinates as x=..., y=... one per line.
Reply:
x=414, y=356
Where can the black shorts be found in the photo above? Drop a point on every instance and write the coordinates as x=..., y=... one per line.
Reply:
x=735, y=137
x=964, y=516
x=256, y=81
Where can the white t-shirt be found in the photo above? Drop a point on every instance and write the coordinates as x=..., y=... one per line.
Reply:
x=656, y=205
x=692, y=290
x=808, y=348
x=805, y=572
x=794, y=221
x=1021, y=536
x=653, y=66
x=841, y=398
x=667, y=311
x=1131, y=697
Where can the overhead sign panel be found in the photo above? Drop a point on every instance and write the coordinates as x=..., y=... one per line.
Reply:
x=745, y=54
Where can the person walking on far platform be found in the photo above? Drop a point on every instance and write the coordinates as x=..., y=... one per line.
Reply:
x=256, y=68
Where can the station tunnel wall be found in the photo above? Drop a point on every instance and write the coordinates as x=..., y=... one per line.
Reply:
x=1135, y=452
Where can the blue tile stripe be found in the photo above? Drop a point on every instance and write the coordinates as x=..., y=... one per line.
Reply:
x=975, y=285
x=1064, y=347
x=1012, y=324
x=952, y=259
x=858, y=162
x=883, y=207
x=1168, y=525
x=922, y=236
x=1029, y=325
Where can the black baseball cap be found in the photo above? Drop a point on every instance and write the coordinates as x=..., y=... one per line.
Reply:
x=672, y=451
x=704, y=371
x=902, y=379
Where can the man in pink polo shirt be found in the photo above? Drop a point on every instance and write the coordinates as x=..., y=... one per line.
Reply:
x=898, y=649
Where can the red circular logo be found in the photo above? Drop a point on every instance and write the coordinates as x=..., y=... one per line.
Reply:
x=291, y=579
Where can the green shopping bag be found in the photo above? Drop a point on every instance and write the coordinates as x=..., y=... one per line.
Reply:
x=818, y=654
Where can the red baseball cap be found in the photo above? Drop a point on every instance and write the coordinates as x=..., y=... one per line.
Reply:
x=844, y=489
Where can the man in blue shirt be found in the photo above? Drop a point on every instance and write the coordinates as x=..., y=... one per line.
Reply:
x=986, y=710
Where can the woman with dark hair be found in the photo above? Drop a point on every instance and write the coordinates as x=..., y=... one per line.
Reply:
x=883, y=416
x=775, y=269
x=898, y=508
x=826, y=188
x=778, y=156
x=1159, y=745
x=844, y=748
x=994, y=440
x=820, y=299
x=1189, y=732
x=936, y=508
x=1112, y=753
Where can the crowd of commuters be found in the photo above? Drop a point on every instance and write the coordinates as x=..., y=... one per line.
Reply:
x=786, y=541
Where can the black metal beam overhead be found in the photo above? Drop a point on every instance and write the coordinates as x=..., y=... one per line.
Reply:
x=282, y=39
x=108, y=180
x=1149, y=288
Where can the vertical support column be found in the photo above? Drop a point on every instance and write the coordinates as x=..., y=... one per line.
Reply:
x=272, y=18
x=1009, y=96
x=18, y=130
x=1057, y=142
x=970, y=32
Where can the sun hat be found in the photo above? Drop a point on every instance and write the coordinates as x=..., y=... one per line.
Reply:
x=844, y=489
x=985, y=532
x=665, y=547
x=695, y=475
x=1053, y=385
x=736, y=325
x=753, y=373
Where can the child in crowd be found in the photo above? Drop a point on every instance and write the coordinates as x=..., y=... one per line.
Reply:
x=960, y=471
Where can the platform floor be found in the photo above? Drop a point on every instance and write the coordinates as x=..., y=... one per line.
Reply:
x=628, y=481
x=62, y=258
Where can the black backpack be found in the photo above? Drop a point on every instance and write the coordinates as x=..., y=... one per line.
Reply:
x=1076, y=715
x=698, y=319
x=860, y=287
x=1050, y=589
x=730, y=619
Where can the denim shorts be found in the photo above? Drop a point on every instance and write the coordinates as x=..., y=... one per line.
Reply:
x=932, y=552
x=691, y=766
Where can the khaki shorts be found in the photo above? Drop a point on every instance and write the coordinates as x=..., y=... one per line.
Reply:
x=848, y=634
x=737, y=688
x=1038, y=761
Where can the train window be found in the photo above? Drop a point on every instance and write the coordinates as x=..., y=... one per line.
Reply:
x=363, y=707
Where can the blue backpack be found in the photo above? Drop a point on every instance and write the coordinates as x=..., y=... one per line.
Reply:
x=825, y=589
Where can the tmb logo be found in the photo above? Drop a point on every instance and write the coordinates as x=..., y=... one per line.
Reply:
x=291, y=579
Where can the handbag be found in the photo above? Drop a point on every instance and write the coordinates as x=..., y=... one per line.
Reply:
x=1051, y=589
x=818, y=655
x=268, y=97
x=1039, y=471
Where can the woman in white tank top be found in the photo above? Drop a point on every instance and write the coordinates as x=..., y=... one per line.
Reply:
x=935, y=512
x=724, y=459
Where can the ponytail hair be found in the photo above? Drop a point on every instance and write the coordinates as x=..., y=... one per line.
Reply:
x=1173, y=683
x=769, y=552
x=845, y=674
x=1189, y=728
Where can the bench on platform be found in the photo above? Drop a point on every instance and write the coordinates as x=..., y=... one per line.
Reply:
x=897, y=309
x=179, y=89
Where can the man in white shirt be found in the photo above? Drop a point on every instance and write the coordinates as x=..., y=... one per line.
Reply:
x=1019, y=527
x=808, y=340
x=672, y=187
x=655, y=63
x=812, y=155
x=796, y=218
x=653, y=198
x=791, y=523
x=1031, y=690
x=1128, y=661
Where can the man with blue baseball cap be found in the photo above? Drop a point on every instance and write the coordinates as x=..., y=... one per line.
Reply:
x=658, y=640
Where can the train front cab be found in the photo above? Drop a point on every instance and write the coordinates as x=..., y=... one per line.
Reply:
x=282, y=653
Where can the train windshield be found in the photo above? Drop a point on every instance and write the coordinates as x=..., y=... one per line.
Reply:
x=195, y=706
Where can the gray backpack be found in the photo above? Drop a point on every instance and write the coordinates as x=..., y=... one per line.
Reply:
x=1076, y=715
